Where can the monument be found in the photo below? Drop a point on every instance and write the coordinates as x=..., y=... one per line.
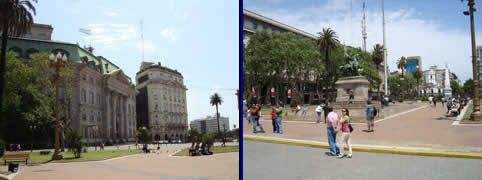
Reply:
x=352, y=89
x=447, y=88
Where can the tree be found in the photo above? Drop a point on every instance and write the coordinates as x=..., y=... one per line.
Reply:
x=328, y=41
x=208, y=139
x=74, y=144
x=215, y=101
x=143, y=135
x=402, y=65
x=15, y=19
x=193, y=132
x=418, y=74
x=377, y=58
x=28, y=98
x=468, y=87
x=456, y=89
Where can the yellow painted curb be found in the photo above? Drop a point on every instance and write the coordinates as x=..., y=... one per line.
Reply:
x=375, y=150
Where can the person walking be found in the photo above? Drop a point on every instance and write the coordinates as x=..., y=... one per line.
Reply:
x=273, y=120
x=435, y=102
x=318, y=111
x=255, y=116
x=331, y=126
x=18, y=148
x=298, y=108
x=442, y=101
x=370, y=109
x=345, y=136
x=278, y=114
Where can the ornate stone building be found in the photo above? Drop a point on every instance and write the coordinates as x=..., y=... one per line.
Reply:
x=161, y=102
x=102, y=96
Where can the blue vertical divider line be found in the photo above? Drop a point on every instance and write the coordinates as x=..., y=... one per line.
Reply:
x=241, y=89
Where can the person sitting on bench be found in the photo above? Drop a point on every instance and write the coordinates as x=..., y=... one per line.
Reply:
x=455, y=109
x=204, y=150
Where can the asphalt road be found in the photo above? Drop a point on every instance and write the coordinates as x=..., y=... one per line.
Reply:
x=280, y=161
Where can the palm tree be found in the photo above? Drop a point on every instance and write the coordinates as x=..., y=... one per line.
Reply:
x=402, y=65
x=15, y=19
x=377, y=58
x=215, y=101
x=418, y=75
x=327, y=42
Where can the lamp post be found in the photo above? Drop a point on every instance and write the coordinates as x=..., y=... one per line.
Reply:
x=32, y=127
x=57, y=61
x=475, y=116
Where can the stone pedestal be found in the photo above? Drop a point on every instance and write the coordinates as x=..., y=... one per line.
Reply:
x=356, y=106
x=358, y=84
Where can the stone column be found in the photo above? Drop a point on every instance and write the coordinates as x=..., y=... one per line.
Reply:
x=114, y=116
x=122, y=116
x=107, y=119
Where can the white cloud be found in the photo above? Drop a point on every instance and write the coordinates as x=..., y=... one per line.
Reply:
x=110, y=36
x=170, y=34
x=407, y=34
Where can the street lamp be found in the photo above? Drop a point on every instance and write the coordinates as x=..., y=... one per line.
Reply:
x=475, y=116
x=57, y=61
x=32, y=127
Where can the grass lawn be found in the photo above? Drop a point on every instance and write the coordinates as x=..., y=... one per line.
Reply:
x=215, y=149
x=467, y=114
x=35, y=157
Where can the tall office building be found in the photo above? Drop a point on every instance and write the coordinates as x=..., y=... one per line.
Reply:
x=161, y=102
x=413, y=62
x=210, y=124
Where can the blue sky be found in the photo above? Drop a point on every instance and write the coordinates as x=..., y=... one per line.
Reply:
x=198, y=38
x=434, y=29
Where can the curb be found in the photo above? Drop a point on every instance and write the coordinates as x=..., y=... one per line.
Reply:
x=372, y=149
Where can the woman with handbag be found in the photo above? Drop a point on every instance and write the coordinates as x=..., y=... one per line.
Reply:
x=346, y=130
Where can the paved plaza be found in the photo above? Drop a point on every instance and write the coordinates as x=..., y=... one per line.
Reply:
x=156, y=165
x=425, y=127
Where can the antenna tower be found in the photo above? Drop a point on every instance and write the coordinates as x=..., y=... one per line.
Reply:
x=364, y=29
x=142, y=42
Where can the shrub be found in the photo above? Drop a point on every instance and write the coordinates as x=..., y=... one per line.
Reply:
x=73, y=141
x=84, y=150
x=293, y=103
x=400, y=100
x=44, y=152
x=208, y=139
x=108, y=143
x=3, y=144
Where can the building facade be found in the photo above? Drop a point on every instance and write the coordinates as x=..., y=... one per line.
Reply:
x=414, y=62
x=436, y=82
x=210, y=124
x=161, y=102
x=102, y=96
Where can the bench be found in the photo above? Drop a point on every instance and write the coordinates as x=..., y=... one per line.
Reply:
x=17, y=157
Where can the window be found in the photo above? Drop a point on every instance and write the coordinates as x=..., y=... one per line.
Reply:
x=41, y=36
x=83, y=96
x=27, y=35
x=84, y=117
x=255, y=26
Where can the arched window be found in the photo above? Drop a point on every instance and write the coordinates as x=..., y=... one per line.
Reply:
x=30, y=52
x=62, y=52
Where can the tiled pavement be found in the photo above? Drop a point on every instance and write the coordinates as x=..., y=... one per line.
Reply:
x=426, y=127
